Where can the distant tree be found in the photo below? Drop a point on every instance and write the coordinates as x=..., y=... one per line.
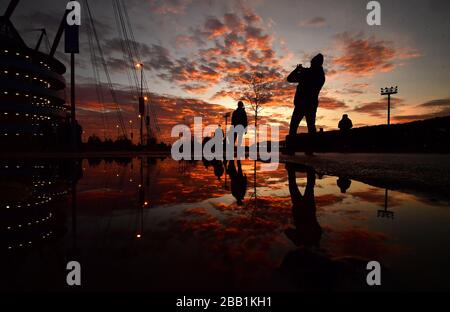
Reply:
x=256, y=91
x=94, y=140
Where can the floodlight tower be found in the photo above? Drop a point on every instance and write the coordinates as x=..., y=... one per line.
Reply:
x=388, y=92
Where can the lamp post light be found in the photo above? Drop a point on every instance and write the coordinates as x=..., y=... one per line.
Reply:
x=118, y=134
x=226, y=116
x=388, y=92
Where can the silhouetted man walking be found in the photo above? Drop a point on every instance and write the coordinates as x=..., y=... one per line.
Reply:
x=310, y=82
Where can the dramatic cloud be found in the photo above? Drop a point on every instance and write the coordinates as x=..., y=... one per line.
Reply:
x=231, y=47
x=378, y=108
x=222, y=52
x=214, y=28
x=367, y=56
x=364, y=56
x=331, y=103
x=433, y=109
x=439, y=103
x=155, y=56
x=430, y=109
x=196, y=88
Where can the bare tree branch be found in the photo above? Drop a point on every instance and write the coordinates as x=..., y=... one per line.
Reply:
x=256, y=91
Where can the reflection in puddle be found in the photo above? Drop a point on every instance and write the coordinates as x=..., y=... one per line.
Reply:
x=154, y=224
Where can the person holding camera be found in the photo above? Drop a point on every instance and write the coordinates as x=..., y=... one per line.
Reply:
x=310, y=81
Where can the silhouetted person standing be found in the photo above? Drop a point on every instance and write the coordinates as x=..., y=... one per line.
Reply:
x=239, y=117
x=345, y=124
x=310, y=82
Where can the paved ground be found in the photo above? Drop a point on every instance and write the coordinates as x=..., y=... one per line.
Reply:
x=424, y=174
x=427, y=174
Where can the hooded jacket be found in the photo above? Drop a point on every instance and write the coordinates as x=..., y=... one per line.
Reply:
x=310, y=82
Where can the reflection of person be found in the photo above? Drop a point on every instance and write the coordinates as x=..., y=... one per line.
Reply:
x=219, y=131
x=310, y=82
x=218, y=168
x=238, y=181
x=313, y=268
x=307, y=231
x=343, y=183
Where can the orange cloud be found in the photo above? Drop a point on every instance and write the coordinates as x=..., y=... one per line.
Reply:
x=102, y=118
x=364, y=56
x=377, y=108
x=368, y=56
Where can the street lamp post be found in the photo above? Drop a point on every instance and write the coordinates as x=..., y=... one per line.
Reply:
x=131, y=130
x=140, y=66
x=226, y=116
x=388, y=92
x=147, y=120
x=385, y=213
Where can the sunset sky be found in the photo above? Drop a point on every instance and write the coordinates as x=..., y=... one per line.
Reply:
x=194, y=52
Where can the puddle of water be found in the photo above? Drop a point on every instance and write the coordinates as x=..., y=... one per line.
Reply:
x=153, y=224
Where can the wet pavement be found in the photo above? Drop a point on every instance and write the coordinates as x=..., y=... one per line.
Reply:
x=154, y=224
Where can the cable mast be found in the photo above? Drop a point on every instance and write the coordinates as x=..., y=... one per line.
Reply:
x=105, y=68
